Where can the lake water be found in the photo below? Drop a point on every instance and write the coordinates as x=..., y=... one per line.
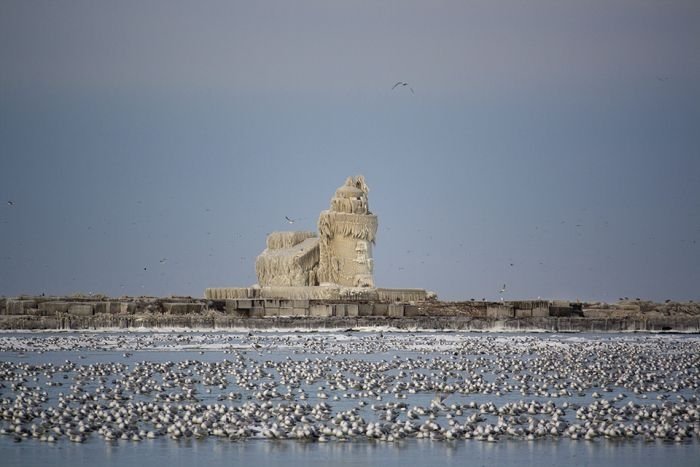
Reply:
x=295, y=454
x=430, y=356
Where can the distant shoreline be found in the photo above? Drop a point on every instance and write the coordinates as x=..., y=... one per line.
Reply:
x=79, y=312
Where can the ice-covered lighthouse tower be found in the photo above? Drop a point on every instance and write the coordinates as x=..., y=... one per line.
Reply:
x=347, y=232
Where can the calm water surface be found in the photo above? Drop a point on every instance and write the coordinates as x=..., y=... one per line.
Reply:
x=295, y=454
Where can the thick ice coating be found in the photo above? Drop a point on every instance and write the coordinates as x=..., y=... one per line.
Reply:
x=341, y=254
x=347, y=232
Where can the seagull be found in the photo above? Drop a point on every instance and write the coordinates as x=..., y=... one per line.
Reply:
x=503, y=289
x=291, y=221
x=10, y=203
x=439, y=398
x=163, y=260
x=402, y=83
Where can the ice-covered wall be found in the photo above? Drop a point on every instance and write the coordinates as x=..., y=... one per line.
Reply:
x=290, y=259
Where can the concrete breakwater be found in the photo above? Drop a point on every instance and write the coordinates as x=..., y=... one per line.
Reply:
x=93, y=312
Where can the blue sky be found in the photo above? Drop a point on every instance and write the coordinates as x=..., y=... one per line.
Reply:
x=553, y=146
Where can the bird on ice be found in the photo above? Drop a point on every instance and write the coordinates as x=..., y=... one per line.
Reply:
x=401, y=83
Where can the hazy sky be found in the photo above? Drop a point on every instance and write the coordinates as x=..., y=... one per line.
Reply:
x=553, y=146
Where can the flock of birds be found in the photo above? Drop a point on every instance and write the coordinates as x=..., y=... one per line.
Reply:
x=347, y=386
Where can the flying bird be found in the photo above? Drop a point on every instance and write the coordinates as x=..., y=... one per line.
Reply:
x=10, y=203
x=439, y=398
x=401, y=83
x=291, y=221
x=503, y=289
